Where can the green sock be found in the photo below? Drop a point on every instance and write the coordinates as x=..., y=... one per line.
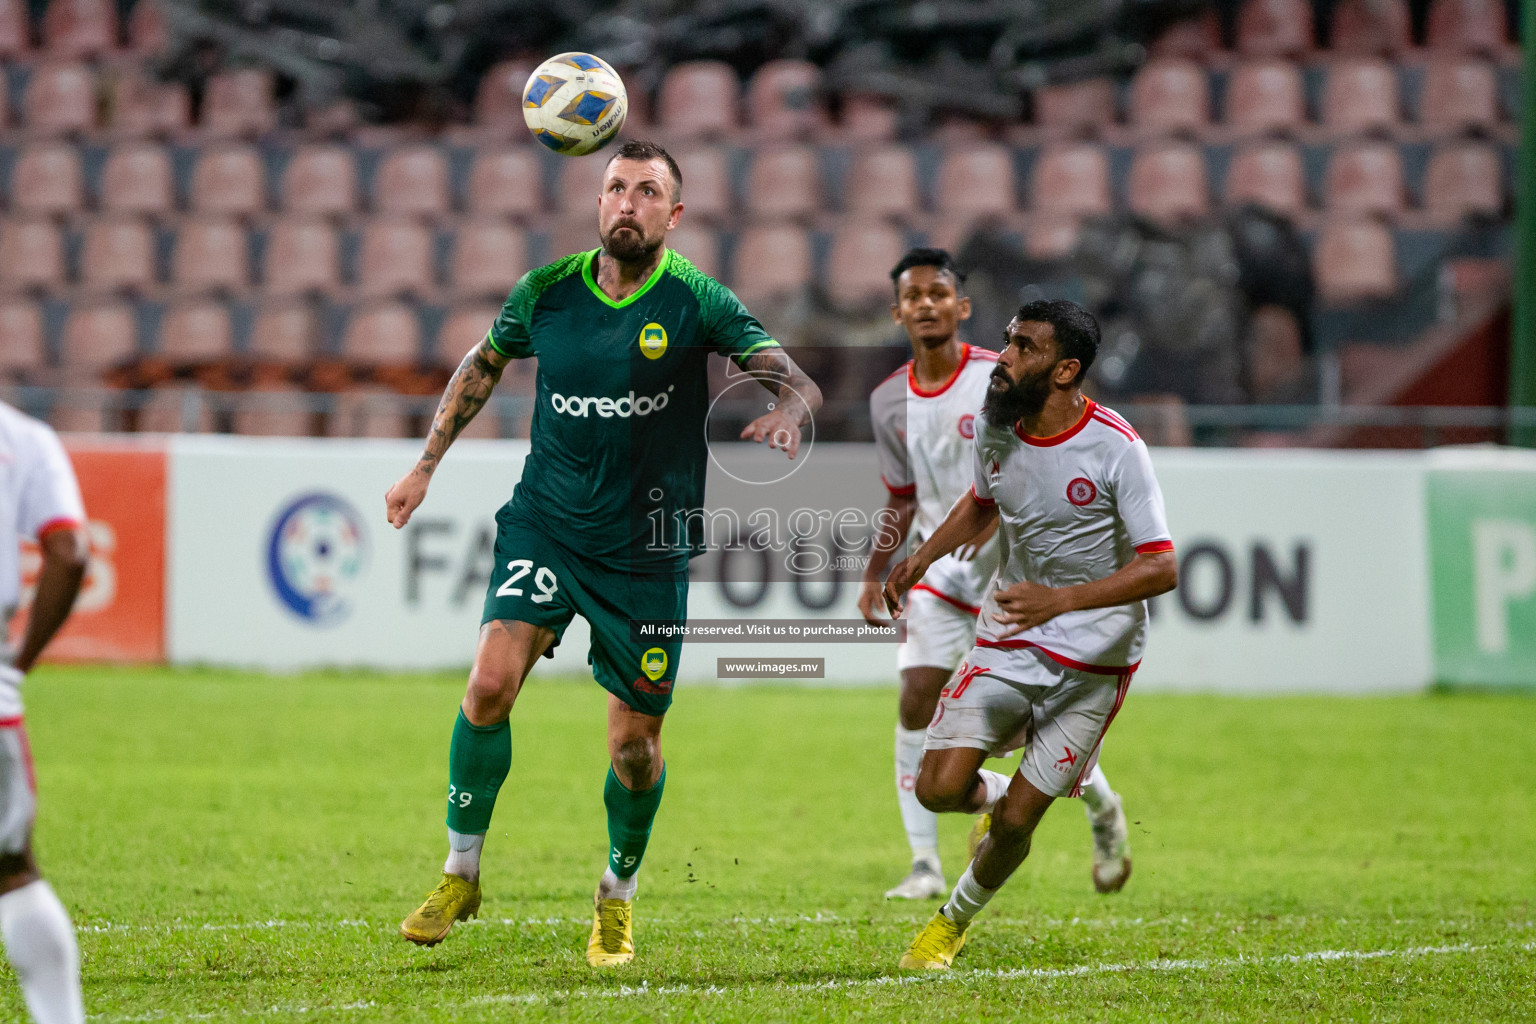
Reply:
x=629, y=821
x=479, y=758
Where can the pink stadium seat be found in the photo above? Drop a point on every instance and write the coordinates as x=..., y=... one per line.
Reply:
x=488, y=258
x=976, y=182
x=573, y=233
x=60, y=100
x=15, y=30
x=387, y=335
x=80, y=413
x=97, y=337
x=284, y=333
x=1071, y=179
x=1459, y=93
x=707, y=186
x=581, y=183
x=274, y=410
x=118, y=256
x=367, y=412
x=867, y=119
x=196, y=332
x=698, y=101
x=1051, y=236
x=1265, y=96
x=395, y=260
x=461, y=331
x=1168, y=183
x=1170, y=95
x=499, y=98
x=1365, y=178
x=137, y=179
x=1075, y=109
x=506, y=183
x=302, y=258
x=1361, y=96
x=783, y=102
x=1467, y=26
x=784, y=183
x=1196, y=37
x=700, y=244
x=239, y=104
x=80, y=28
x=1354, y=260
x=21, y=325
x=1371, y=27
x=320, y=181
x=1464, y=179
x=147, y=34
x=5, y=101
x=414, y=182
x=772, y=262
x=211, y=256
x=1274, y=28
x=31, y=255
x=47, y=179
x=1270, y=175
x=165, y=411
x=882, y=183
x=229, y=180
x=143, y=108
x=859, y=264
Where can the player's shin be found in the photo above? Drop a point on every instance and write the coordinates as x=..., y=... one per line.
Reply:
x=922, y=825
x=967, y=899
x=41, y=945
x=630, y=814
x=479, y=758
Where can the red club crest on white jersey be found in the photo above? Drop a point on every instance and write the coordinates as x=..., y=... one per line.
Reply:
x=968, y=426
x=1081, y=491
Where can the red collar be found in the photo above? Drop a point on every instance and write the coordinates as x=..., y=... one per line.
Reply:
x=965, y=357
x=1065, y=435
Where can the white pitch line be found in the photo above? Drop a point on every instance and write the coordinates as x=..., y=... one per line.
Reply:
x=1160, y=966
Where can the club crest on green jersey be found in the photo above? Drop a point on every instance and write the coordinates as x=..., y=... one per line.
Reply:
x=653, y=340
x=654, y=663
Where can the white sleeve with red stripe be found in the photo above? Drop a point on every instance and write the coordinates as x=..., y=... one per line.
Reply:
x=891, y=444
x=981, y=484
x=50, y=494
x=1139, y=501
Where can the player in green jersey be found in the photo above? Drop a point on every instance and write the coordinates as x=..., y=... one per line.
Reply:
x=622, y=335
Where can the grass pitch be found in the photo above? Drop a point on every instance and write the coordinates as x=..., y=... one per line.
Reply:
x=242, y=846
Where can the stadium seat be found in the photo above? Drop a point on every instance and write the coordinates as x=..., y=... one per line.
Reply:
x=367, y=412
x=211, y=255
x=230, y=180
x=1463, y=179
x=1360, y=96
x=239, y=104
x=31, y=255
x=274, y=410
x=784, y=103
x=284, y=334
x=75, y=412
x=867, y=119
x=21, y=325
x=859, y=264
x=320, y=181
x=1459, y=93
x=165, y=410
x=1075, y=109
x=1365, y=178
x=772, y=262
x=137, y=179
x=1051, y=236
x=1168, y=184
x=1274, y=28
x=118, y=256
x=1353, y=261
x=15, y=29
x=60, y=100
x=147, y=34
x=196, y=333
x=385, y=336
x=581, y=184
x=80, y=28
x=707, y=186
x=413, y=181
x=1370, y=27
x=882, y=183
x=1170, y=95
x=1196, y=37
x=97, y=337
x=488, y=258
x=506, y=183
x=1467, y=26
x=700, y=244
x=302, y=258
x=698, y=102
x=47, y=179
x=461, y=331
x=573, y=233
x=1071, y=179
x=499, y=97
x=784, y=183
x=143, y=108
x=396, y=259
x=976, y=182
x=1265, y=96
x=1269, y=174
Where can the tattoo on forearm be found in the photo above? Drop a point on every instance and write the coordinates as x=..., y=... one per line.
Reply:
x=466, y=394
x=778, y=373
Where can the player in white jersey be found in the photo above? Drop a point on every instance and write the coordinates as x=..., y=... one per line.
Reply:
x=1084, y=543
x=39, y=499
x=924, y=419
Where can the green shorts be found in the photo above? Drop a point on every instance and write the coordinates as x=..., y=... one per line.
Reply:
x=538, y=582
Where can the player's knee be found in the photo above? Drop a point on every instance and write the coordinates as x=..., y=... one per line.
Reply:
x=939, y=794
x=635, y=761
x=491, y=690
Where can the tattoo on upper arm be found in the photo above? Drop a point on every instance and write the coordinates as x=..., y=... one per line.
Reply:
x=467, y=392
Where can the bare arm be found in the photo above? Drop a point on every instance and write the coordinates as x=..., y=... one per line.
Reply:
x=65, y=553
x=965, y=522
x=466, y=395
x=798, y=399
x=1027, y=605
x=892, y=523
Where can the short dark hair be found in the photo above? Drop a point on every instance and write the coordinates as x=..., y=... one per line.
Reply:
x=922, y=257
x=1075, y=329
x=645, y=149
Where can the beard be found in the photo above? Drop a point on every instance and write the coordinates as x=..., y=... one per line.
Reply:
x=1005, y=406
x=631, y=246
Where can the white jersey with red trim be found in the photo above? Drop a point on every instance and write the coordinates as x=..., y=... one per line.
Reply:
x=924, y=439
x=38, y=494
x=1073, y=508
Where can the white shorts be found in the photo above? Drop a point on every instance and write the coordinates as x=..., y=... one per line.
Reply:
x=940, y=630
x=18, y=787
x=1000, y=700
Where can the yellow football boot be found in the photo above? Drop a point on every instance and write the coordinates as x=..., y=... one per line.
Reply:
x=613, y=941
x=978, y=833
x=454, y=899
x=935, y=947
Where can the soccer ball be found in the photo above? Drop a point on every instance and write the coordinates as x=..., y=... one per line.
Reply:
x=574, y=103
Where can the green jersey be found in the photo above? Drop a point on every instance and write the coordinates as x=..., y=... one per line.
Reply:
x=619, y=454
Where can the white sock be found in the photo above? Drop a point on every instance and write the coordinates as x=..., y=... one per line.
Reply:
x=1096, y=792
x=967, y=899
x=612, y=887
x=464, y=854
x=921, y=823
x=997, y=786
x=40, y=942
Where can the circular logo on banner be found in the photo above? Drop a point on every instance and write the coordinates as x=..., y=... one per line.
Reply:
x=967, y=426
x=1081, y=491
x=316, y=553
